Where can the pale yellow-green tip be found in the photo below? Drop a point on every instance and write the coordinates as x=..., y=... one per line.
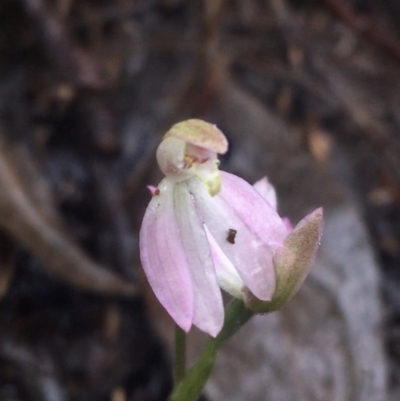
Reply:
x=200, y=133
x=211, y=179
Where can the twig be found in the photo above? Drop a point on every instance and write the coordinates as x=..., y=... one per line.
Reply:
x=71, y=61
x=365, y=28
x=21, y=218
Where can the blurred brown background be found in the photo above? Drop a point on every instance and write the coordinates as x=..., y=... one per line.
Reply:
x=307, y=92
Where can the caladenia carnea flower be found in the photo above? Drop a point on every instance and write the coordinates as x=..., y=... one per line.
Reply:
x=206, y=229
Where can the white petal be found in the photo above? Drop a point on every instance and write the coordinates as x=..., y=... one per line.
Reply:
x=267, y=191
x=227, y=276
x=208, y=307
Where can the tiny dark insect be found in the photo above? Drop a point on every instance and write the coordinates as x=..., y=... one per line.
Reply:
x=157, y=192
x=231, y=236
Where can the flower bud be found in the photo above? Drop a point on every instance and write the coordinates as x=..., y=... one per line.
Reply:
x=292, y=263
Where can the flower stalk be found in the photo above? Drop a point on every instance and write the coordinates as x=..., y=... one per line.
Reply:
x=180, y=355
x=190, y=388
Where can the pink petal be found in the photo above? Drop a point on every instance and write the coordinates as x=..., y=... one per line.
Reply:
x=267, y=191
x=287, y=223
x=152, y=189
x=252, y=258
x=163, y=257
x=208, y=305
x=251, y=208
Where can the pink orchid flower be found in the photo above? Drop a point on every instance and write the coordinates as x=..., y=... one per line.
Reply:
x=206, y=229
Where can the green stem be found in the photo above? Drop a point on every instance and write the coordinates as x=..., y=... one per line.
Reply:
x=189, y=389
x=180, y=355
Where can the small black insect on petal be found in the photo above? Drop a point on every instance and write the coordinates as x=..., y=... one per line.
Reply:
x=231, y=236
